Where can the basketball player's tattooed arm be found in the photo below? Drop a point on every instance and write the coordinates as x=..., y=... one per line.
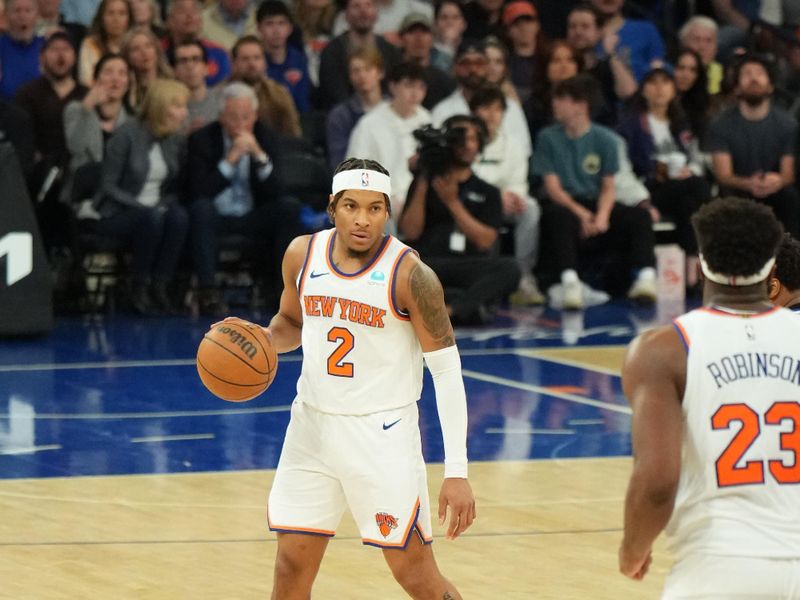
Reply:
x=428, y=304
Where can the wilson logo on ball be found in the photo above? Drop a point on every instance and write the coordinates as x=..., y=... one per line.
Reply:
x=237, y=338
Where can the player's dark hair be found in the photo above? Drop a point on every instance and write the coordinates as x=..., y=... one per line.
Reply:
x=787, y=263
x=352, y=164
x=736, y=237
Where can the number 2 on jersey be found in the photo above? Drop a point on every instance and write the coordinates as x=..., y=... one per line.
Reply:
x=752, y=471
x=346, y=341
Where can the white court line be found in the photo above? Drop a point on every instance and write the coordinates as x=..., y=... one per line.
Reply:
x=154, y=415
x=528, y=431
x=173, y=438
x=187, y=362
x=528, y=387
x=116, y=364
x=30, y=449
x=579, y=422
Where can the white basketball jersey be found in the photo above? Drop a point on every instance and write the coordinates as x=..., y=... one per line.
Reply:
x=360, y=352
x=739, y=491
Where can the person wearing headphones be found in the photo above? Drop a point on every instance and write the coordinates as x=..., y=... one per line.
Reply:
x=452, y=220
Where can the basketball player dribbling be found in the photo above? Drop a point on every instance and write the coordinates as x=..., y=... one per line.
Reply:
x=366, y=311
x=716, y=425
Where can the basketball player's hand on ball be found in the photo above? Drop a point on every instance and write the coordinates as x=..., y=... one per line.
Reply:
x=634, y=564
x=457, y=494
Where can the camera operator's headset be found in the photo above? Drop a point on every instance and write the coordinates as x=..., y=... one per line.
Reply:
x=456, y=120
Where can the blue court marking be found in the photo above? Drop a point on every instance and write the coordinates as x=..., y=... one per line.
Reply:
x=124, y=397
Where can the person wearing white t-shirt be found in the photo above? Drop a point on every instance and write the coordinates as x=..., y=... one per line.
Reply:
x=386, y=133
x=471, y=68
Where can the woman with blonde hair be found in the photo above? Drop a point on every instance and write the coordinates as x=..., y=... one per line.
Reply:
x=143, y=52
x=110, y=24
x=140, y=186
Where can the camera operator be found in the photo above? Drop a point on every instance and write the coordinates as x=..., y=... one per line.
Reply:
x=452, y=217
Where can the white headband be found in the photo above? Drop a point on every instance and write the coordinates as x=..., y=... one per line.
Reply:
x=737, y=280
x=362, y=179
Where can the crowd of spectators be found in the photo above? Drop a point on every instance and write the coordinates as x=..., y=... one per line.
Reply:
x=570, y=128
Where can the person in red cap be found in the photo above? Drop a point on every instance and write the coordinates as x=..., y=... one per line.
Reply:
x=521, y=22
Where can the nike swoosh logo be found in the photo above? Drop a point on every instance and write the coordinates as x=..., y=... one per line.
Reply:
x=315, y=275
x=390, y=425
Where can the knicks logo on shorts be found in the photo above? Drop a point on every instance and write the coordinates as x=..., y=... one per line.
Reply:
x=386, y=523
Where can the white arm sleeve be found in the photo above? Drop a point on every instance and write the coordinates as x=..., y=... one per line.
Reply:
x=451, y=402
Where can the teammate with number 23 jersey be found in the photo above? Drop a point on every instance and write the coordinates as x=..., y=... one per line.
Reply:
x=716, y=425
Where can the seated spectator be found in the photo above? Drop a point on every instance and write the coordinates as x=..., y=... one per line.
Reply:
x=20, y=47
x=453, y=220
x=390, y=17
x=313, y=31
x=360, y=16
x=577, y=160
x=275, y=105
x=365, y=71
x=235, y=187
x=449, y=25
x=561, y=63
x=140, y=187
x=16, y=128
x=89, y=123
x=225, y=21
x=784, y=282
x=191, y=69
x=500, y=165
x=143, y=52
x=690, y=82
x=416, y=43
x=665, y=154
x=521, y=23
x=184, y=23
x=44, y=99
x=638, y=41
x=700, y=35
x=285, y=64
x=497, y=72
x=484, y=18
x=753, y=145
x=146, y=13
x=386, y=134
x=609, y=67
x=51, y=18
x=470, y=69
x=110, y=24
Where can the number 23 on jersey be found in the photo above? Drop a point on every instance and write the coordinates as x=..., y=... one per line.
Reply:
x=732, y=466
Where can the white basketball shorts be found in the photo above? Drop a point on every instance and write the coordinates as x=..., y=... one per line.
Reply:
x=705, y=577
x=371, y=463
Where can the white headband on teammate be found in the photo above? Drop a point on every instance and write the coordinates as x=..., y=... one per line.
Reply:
x=737, y=280
x=362, y=179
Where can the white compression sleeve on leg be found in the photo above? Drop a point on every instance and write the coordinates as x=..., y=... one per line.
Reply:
x=451, y=402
